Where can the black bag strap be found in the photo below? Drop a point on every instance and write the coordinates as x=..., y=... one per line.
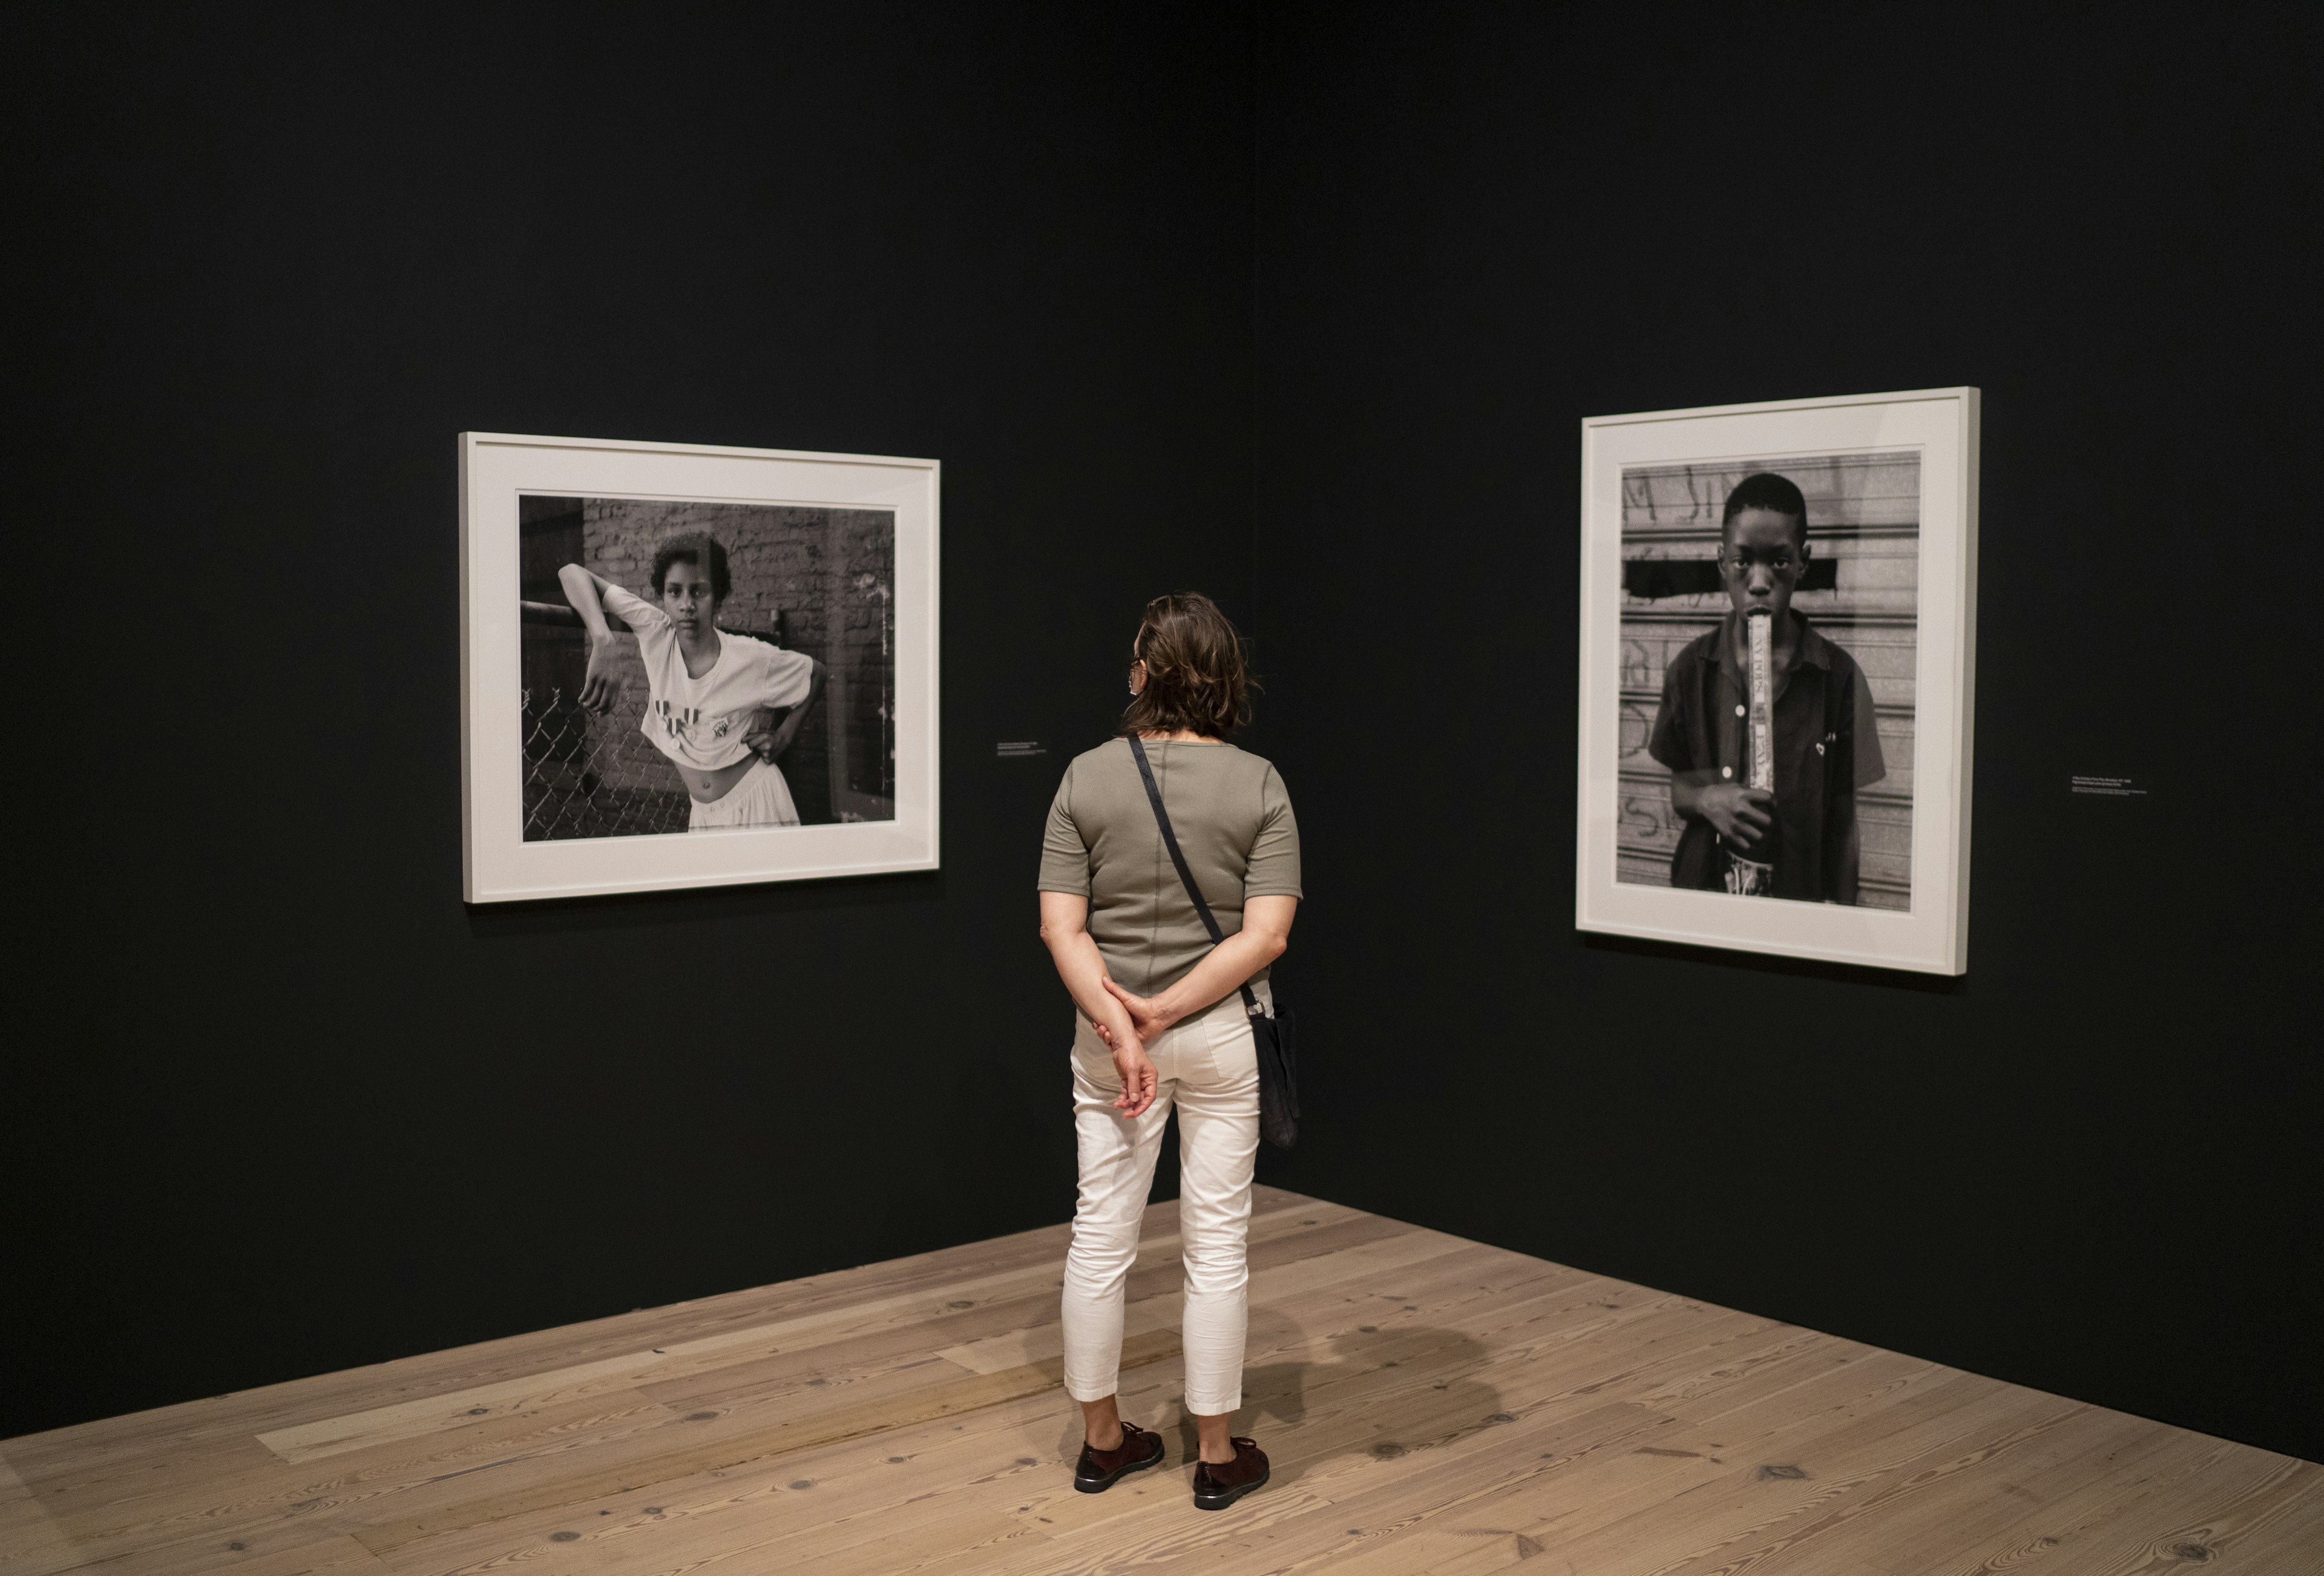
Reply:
x=1178, y=859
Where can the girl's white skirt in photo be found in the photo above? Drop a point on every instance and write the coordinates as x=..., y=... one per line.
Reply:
x=762, y=798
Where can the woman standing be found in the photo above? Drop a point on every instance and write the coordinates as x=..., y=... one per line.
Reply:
x=1161, y=1022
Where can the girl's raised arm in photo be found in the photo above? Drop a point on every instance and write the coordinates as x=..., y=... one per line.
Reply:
x=602, y=685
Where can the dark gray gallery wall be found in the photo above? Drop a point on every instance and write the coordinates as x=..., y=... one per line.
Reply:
x=2092, y=1165
x=276, y=1102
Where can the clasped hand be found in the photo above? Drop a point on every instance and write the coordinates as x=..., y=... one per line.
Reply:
x=1149, y=1020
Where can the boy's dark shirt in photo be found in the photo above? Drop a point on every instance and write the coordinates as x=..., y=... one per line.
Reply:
x=1822, y=755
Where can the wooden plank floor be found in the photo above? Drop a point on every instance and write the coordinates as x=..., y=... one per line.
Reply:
x=1431, y=1404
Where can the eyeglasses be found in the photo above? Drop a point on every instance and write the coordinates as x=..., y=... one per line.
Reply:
x=1737, y=561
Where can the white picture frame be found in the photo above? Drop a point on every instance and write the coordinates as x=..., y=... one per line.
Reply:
x=1651, y=485
x=500, y=861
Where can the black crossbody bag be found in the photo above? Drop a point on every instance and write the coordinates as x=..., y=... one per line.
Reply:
x=1273, y=1037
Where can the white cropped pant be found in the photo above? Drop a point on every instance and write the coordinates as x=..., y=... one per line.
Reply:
x=1209, y=1069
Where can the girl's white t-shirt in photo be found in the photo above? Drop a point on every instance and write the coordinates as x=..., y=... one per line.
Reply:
x=699, y=723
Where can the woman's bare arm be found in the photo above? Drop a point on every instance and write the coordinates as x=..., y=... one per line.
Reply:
x=1265, y=932
x=1065, y=926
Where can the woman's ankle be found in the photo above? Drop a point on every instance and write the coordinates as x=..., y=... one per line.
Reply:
x=1212, y=1441
x=1102, y=1422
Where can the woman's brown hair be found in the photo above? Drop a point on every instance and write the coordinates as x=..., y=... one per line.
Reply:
x=1195, y=673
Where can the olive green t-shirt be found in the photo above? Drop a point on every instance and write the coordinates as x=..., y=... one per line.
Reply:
x=1234, y=825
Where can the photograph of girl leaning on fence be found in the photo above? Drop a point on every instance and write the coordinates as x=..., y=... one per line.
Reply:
x=695, y=667
x=713, y=693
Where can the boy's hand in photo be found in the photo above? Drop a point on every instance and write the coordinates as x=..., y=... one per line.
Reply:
x=1742, y=816
x=601, y=687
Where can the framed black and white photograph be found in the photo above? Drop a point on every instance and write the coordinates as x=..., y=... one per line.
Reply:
x=687, y=665
x=1778, y=635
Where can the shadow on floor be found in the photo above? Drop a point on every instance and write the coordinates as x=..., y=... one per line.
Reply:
x=1385, y=1391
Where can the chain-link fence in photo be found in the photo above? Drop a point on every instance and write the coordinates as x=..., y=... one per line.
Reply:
x=583, y=779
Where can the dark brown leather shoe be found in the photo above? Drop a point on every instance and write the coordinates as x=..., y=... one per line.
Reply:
x=1216, y=1487
x=1095, y=1472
